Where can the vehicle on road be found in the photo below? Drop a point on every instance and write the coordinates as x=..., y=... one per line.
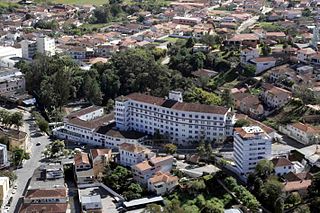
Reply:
x=38, y=144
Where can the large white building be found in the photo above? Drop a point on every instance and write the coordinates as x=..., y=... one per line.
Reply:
x=12, y=81
x=43, y=44
x=183, y=123
x=92, y=126
x=131, y=154
x=251, y=144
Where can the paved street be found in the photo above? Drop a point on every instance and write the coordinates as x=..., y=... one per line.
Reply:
x=24, y=173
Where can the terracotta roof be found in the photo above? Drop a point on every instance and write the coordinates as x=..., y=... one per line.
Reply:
x=290, y=177
x=275, y=90
x=244, y=37
x=91, y=124
x=163, y=177
x=264, y=59
x=98, y=152
x=42, y=208
x=157, y=160
x=191, y=107
x=253, y=122
x=246, y=134
x=81, y=158
x=277, y=162
x=84, y=111
x=133, y=148
x=46, y=193
x=305, y=127
x=144, y=165
x=296, y=185
x=307, y=51
x=276, y=34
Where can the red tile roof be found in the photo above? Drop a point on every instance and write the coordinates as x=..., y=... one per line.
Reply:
x=277, y=162
x=44, y=208
x=81, y=158
x=46, y=193
x=98, y=152
x=133, y=148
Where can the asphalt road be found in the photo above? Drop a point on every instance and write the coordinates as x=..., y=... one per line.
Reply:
x=24, y=173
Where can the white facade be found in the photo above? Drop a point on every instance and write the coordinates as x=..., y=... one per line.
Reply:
x=131, y=154
x=182, y=123
x=275, y=97
x=304, y=55
x=282, y=166
x=162, y=183
x=248, y=54
x=88, y=127
x=43, y=44
x=251, y=144
x=12, y=81
x=302, y=133
x=3, y=155
x=263, y=63
x=46, y=45
x=4, y=188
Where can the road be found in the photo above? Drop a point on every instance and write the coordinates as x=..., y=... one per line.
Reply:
x=24, y=173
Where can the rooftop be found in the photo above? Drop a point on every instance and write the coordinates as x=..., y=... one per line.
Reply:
x=33, y=207
x=110, y=130
x=136, y=148
x=46, y=193
x=277, y=162
x=163, y=177
x=40, y=180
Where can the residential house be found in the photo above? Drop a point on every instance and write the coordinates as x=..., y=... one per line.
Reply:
x=248, y=104
x=303, y=133
x=17, y=139
x=275, y=35
x=249, y=39
x=274, y=97
x=100, y=158
x=304, y=55
x=282, y=166
x=248, y=53
x=186, y=20
x=263, y=63
x=90, y=200
x=12, y=82
x=162, y=183
x=83, y=170
x=298, y=182
x=148, y=168
x=131, y=154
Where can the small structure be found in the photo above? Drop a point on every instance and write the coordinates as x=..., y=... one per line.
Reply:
x=162, y=183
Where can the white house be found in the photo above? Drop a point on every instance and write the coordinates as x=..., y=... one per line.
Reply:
x=263, y=63
x=131, y=154
x=92, y=126
x=12, y=81
x=183, y=123
x=251, y=144
x=83, y=168
x=282, y=166
x=162, y=183
x=43, y=44
x=303, y=133
x=275, y=97
x=247, y=54
x=146, y=169
x=305, y=55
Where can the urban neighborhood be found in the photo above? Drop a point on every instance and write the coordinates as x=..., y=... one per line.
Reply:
x=159, y=106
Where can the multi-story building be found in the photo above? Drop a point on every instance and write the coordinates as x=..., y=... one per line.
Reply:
x=83, y=170
x=303, y=133
x=131, y=154
x=4, y=188
x=12, y=81
x=282, y=166
x=183, y=123
x=92, y=126
x=148, y=168
x=275, y=97
x=47, y=191
x=46, y=45
x=100, y=158
x=251, y=144
x=42, y=44
x=3, y=155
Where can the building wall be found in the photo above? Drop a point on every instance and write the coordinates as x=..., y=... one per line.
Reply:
x=3, y=155
x=260, y=67
x=4, y=187
x=282, y=170
x=181, y=127
x=131, y=158
x=247, y=153
x=46, y=45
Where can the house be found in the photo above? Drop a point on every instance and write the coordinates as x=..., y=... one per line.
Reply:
x=131, y=154
x=148, y=168
x=248, y=53
x=275, y=35
x=248, y=104
x=83, y=170
x=282, y=166
x=298, y=182
x=263, y=63
x=304, y=55
x=186, y=20
x=4, y=188
x=274, y=97
x=248, y=39
x=100, y=158
x=17, y=139
x=90, y=199
x=162, y=183
x=303, y=133
x=12, y=82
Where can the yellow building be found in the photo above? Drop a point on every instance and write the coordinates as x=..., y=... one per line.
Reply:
x=4, y=187
x=17, y=139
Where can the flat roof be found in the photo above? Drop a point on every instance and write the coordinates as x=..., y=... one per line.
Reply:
x=142, y=201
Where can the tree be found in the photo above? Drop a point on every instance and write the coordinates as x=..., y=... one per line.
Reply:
x=279, y=205
x=43, y=125
x=214, y=205
x=249, y=70
x=16, y=119
x=305, y=94
x=152, y=208
x=92, y=90
x=196, y=186
x=57, y=148
x=314, y=188
x=302, y=209
x=170, y=148
x=5, y=140
x=10, y=174
x=197, y=60
x=117, y=179
x=265, y=49
x=306, y=12
x=293, y=199
x=241, y=123
x=61, y=86
x=272, y=192
x=17, y=157
x=264, y=168
x=315, y=205
x=201, y=148
x=227, y=99
x=190, y=42
x=134, y=191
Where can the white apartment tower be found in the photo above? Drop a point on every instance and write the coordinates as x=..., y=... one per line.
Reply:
x=43, y=44
x=251, y=144
x=183, y=123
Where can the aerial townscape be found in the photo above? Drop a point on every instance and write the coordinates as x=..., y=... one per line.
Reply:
x=159, y=106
